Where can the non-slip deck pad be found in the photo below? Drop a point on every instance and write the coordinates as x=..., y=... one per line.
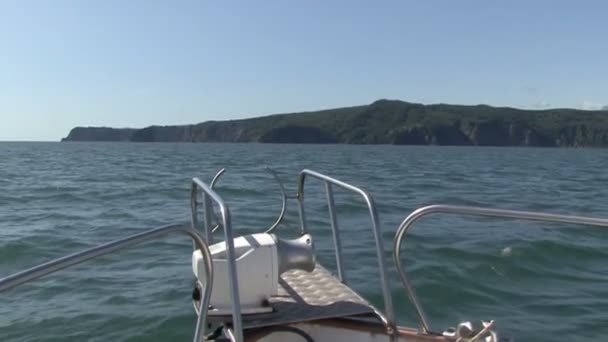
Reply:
x=306, y=296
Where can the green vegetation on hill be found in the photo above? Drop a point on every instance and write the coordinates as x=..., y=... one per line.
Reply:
x=386, y=122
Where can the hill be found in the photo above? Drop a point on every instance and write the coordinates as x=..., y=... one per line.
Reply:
x=386, y=122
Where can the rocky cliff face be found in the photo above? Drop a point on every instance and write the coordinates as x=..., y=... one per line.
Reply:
x=479, y=134
x=297, y=135
x=582, y=136
x=386, y=122
x=498, y=133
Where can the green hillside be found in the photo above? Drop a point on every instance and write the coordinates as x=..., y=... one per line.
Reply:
x=386, y=122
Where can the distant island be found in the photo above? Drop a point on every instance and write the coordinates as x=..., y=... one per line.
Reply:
x=385, y=122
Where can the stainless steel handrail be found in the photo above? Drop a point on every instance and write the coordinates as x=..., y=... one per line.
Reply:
x=284, y=197
x=472, y=211
x=373, y=212
x=194, y=203
x=231, y=258
x=53, y=266
x=216, y=177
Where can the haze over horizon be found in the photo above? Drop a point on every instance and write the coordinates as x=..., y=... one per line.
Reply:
x=139, y=63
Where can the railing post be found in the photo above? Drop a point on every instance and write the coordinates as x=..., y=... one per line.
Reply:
x=194, y=209
x=226, y=224
x=334, y=229
x=386, y=289
x=232, y=271
x=303, y=228
x=407, y=223
x=207, y=217
x=389, y=320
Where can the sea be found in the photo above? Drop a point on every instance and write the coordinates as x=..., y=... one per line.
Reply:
x=539, y=282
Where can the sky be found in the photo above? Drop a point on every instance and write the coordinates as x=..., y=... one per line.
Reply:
x=138, y=63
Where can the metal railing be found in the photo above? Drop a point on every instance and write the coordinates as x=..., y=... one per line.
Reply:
x=207, y=194
x=53, y=266
x=373, y=212
x=284, y=198
x=472, y=211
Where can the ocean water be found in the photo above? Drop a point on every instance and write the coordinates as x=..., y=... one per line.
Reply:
x=539, y=282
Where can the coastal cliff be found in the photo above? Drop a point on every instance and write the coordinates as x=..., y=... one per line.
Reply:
x=99, y=134
x=386, y=122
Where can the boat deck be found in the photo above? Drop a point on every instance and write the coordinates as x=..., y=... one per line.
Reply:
x=305, y=296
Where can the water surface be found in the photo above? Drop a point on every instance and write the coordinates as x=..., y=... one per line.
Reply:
x=539, y=282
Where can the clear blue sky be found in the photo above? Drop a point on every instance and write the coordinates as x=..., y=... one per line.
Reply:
x=137, y=63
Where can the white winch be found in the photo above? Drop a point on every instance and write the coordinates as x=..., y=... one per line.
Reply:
x=260, y=260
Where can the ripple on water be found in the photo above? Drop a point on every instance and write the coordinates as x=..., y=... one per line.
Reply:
x=59, y=198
